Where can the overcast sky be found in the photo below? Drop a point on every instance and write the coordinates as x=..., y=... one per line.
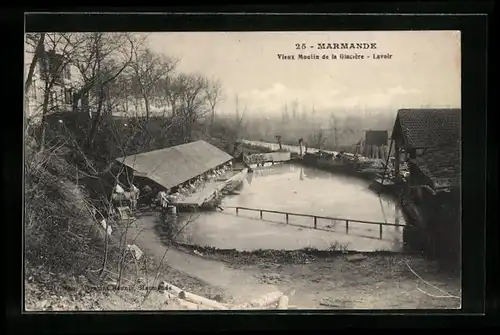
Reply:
x=424, y=69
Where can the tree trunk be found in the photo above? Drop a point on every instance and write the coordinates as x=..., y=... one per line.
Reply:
x=146, y=103
x=74, y=102
x=39, y=53
x=45, y=109
x=106, y=247
x=85, y=103
x=96, y=119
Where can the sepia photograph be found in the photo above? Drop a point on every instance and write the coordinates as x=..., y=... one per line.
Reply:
x=242, y=170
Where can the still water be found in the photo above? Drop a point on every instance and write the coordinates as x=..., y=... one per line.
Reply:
x=297, y=189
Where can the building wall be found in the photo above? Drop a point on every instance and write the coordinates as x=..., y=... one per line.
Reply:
x=441, y=216
x=59, y=96
x=376, y=137
x=136, y=107
x=445, y=226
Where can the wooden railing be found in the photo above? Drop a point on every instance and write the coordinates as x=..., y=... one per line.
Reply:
x=315, y=218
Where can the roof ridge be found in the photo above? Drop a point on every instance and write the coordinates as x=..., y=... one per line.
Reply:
x=173, y=165
x=165, y=148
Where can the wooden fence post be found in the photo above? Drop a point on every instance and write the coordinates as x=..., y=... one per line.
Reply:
x=347, y=226
x=315, y=222
x=380, y=231
x=261, y=215
x=286, y=218
x=236, y=210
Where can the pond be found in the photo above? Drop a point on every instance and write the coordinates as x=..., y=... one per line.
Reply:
x=303, y=190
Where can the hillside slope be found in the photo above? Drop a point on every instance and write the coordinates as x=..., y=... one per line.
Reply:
x=69, y=260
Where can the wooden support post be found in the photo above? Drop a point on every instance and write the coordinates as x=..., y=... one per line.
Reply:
x=380, y=231
x=261, y=215
x=397, y=157
x=237, y=210
x=315, y=222
x=387, y=163
x=286, y=218
x=347, y=226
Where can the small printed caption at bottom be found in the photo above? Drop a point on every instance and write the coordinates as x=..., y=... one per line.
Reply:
x=124, y=288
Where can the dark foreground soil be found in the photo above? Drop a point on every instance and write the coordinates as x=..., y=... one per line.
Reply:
x=47, y=291
x=320, y=280
x=336, y=280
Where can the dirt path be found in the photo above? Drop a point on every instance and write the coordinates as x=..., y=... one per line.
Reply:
x=377, y=281
x=336, y=282
x=240, y=285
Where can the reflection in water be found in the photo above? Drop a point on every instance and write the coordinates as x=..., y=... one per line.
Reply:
x=277, y=169
x=297, y=189
x=249, y=178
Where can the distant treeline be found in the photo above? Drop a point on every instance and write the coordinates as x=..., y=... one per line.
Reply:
x=330, y=132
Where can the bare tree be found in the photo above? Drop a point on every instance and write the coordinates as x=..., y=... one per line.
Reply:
x=317, y=139
x=190, y=96
x=237, y=102
x=101, y=59
x=285, y=116
x=278, y=139
x=295, y=108
x=214, y=96
x=39, y=52
x=239, y=122
x=53, y=54
x=148, y=69
x=334, y=128
x=118, y=93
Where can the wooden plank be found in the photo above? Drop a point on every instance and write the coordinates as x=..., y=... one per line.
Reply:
x=192, y=298
x=201, y=300
x=283, y=302
x=265, y=300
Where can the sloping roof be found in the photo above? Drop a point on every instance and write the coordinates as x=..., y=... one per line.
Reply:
x=441, y=165
x=172, y=166
x=424, y=128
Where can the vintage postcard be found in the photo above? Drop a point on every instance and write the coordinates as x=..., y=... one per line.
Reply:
x=242, y=170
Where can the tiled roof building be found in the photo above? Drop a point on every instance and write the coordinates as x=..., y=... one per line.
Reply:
x=432, y=137
x=424, y=128
x=440, y=165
